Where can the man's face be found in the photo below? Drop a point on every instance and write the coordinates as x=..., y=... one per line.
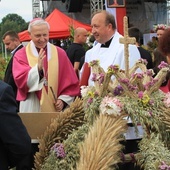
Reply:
x=99, y=28
x=10, y=44
x=83, y=37
x=40, y=35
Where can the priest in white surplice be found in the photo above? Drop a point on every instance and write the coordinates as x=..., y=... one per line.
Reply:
x=109, y=51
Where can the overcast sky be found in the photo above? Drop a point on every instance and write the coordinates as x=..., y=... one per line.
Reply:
x=20, y=7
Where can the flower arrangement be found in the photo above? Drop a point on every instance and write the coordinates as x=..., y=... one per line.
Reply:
x=104, y=107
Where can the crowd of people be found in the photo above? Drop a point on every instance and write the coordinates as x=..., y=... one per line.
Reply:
x=42, y=77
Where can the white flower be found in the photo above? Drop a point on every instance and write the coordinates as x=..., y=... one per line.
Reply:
x=110, y=106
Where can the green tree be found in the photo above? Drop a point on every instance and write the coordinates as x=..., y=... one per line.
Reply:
x=12, y=22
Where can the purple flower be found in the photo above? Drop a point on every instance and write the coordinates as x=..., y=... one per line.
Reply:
x=131, y=87
x=144, y=61
x=138, y=75
x=164, y=166
x=162, y=65
x=140, y=94
x=94, y=77
x=150, y=72
x=58, y=148
x=118, y=90
x=101, y=78
x=149, y=84
x=113, y=69
x=90, y=100
x=125, y=81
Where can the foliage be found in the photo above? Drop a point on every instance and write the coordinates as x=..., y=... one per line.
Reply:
x=3, y=65
x=71, y=29
x=154, y=153
x=12, y=22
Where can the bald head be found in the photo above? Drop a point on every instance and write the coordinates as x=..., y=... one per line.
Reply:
x=80, y=35
x=79, y=31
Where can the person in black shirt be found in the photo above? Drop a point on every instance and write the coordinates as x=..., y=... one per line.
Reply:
x=76, y=51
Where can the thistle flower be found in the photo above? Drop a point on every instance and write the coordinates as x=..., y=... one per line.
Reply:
x=94, y=77
x=162, y=65
x=138, y=75
x=118, y=90
x=164, y=166
x=89, y=101
x=150, y=84
x=112, y=69
x=125, y=81
x=58, y=148
x=140, y=94
x=144, y=61
x=100, y=78
x=150, y=72
x=132, y=87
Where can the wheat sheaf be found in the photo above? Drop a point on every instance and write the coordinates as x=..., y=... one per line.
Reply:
x=59, y=129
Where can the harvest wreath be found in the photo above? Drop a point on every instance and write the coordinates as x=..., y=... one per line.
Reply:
x=87, y=135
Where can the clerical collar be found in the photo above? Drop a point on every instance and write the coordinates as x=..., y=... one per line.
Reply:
x=107, y=44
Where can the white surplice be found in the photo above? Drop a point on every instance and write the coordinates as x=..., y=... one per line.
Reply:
x=112, y=55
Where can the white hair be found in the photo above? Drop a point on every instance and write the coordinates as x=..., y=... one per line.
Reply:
x=37, y=21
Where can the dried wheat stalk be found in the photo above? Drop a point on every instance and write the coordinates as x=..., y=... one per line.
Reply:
x=101, y=147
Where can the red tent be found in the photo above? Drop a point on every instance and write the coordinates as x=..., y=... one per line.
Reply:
x=59, y=26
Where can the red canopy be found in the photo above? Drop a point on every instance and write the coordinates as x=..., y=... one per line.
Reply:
x=59, y=26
